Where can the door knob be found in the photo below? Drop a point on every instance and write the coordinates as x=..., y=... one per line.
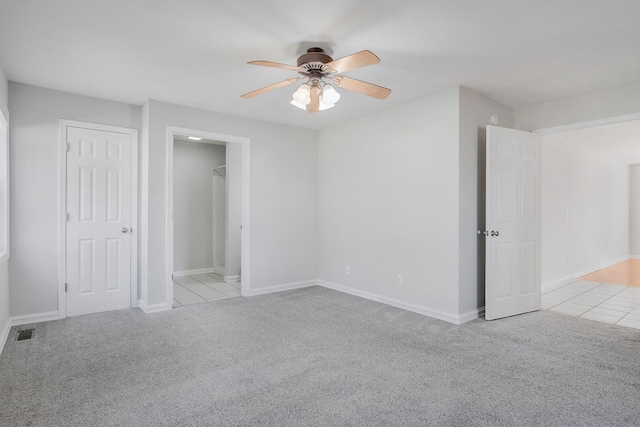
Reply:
x=125, y=229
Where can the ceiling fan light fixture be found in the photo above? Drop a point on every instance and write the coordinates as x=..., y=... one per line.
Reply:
x=330, y=95
x=298, y=104
x=325, y=105
x=303, y=94
x=321, y=106
x=317, y=70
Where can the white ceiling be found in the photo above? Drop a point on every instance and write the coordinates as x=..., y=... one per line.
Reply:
x=194, y=52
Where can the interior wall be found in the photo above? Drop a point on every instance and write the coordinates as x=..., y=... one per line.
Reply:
x=388, y=200
x=4, y=271
x=283, y=195
x=475, y=113
x=219, y=201
x=193, y=203
x=585, y=209
x=5, y=321
x=4, y=92
x=234, y=218
x=35, y=169
x=634, y=211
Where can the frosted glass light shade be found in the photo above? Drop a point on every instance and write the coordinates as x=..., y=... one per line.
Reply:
x=298, y=104
x=302, y=95
x=324, y=105
x=330, y=95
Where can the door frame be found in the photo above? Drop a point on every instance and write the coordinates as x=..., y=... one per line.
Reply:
x=62, y=208
x=245, y=240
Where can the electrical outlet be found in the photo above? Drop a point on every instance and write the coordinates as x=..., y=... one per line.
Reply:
x=347, y=269
x=399, y=280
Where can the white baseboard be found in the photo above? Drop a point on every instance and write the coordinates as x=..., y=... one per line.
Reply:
x=425, y=311
x=154, y=308
x=634, y=257
x=279, y=288
x=563, y=281
x=471, y=315
x=232, y=278
x=558, y=283
x=192, y=272
x=34, y=318
x=4, y=335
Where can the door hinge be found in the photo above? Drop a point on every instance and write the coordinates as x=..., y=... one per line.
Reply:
x=67, y=216
x=66, y=287
x=68, y=146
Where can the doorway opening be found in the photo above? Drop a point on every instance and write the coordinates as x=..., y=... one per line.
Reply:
x=207, y=225
x=591, y=220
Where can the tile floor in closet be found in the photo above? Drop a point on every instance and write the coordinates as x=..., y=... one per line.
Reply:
x=202, y=288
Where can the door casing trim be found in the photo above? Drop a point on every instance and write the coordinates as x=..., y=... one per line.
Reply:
x=245, y=245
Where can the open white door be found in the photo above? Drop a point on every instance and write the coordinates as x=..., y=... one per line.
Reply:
x=513, y=226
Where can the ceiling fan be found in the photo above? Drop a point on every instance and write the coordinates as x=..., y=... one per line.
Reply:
x=318, y=73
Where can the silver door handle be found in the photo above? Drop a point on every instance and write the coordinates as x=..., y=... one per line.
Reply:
x=125, y=229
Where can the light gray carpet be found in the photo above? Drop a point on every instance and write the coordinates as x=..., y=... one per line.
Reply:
x=316, y=357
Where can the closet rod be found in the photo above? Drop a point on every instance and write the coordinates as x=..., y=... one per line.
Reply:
x=215, y=170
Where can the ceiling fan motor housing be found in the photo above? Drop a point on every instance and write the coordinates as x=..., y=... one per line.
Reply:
x=314, y=60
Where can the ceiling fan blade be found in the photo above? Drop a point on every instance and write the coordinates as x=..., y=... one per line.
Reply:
x=271, y=87
x=314, y=105
x=275, y=65
x=357, y=60
x=359, y=86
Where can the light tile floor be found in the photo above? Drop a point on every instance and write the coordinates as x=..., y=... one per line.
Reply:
x=603, y=302
x=202, y=288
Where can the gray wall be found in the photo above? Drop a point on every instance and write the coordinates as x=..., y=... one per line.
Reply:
x=388, y=199
x=35, y=170
x=594, y=190
x=4, y=271
x=234, y=204
x=634, y=210
x=283, y=190
x=284, y=202
x=4, y=91
x=400, y=193
x=193, y=204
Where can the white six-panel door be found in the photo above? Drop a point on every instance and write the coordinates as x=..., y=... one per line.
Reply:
x=513, y=226
x=98, y=228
